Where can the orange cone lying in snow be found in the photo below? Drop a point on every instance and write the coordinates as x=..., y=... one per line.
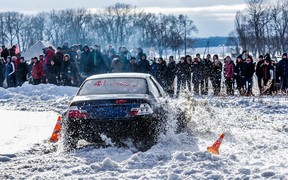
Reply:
x=214, y=149
x=56, y=133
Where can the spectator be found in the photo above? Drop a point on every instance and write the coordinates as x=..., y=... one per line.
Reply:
x=207, y=67
x=181, y=72
x=189, y=70
x=98, y=65
x=86, y=63
x=216, y=74
x=144, y=65
x=117, y=65
x=52, y=77
x=140, y=54
x=2, y=71
x=37, y=71
x=259, y=72
x=268, y=77
x=132, y=65
x=69, y=73
x=161, y=73
x=229, y=69
x=5, y=52
x=198, y=76
x=283, y=73
x=249, y=69
x=58, y=60
x=125, y=56
x=12, y=51
x=171, y=73
x=153, y=68
x=10, y=73
x=22, y=72
x=239, y=75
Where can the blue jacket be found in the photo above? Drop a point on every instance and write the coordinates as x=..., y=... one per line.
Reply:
x=283, y=68
x=9, y=69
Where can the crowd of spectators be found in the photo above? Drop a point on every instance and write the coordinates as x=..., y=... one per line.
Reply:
x=69, y=66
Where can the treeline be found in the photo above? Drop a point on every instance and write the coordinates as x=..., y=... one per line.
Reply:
x=262, y=27
x=119, y=24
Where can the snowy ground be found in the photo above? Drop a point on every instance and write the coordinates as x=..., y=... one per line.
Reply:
x=255, y=143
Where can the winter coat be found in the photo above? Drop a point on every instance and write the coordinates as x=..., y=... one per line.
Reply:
x=86, y=65
x=132, y=67
x=37, y=70
x=125, y=58
x=22, y=71
x=283, y=68
x=58, y=58
x=207, y=67
x=5, y=53
x=216, y=70
x=268, y=72
x=197, y=70
x=161, y=74
x=144, y=66
x=239, y=70
x=49, y=56
x=229, y=69
x=181, y=70
x=117, y=66
x=9, y=70
x=69, y=74
x=52, y=75
x=259, y=69
x=98, y=64
x=249, y=69
x=153, y=68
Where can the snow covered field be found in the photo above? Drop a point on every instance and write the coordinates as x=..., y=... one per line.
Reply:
x=255, y=143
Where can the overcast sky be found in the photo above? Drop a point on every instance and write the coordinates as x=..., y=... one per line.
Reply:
x=212, y=17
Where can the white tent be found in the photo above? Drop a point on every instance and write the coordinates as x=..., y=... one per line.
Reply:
x=36, y=49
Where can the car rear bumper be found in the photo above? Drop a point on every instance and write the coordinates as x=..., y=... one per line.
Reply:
x=114, y=128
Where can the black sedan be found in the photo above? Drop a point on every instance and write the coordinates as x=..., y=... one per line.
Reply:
x=118, y=105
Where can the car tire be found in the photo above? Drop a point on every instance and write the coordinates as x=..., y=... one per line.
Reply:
x=70, y=137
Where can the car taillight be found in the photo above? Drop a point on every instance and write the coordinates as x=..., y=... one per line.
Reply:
x=121, y=101
x=144, y=109
x=75, y=113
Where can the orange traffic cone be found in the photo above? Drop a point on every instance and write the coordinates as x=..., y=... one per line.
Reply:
x=56, y=133
x=214, y=149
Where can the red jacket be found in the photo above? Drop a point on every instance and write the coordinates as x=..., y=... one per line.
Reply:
x=49, y=56
x=37, y=70
x=229, y=70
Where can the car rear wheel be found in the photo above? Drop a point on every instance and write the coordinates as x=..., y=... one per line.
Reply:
x=70, y=137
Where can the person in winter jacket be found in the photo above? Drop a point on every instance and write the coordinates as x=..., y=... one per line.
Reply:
x=140, y=54
x=171, y=74
x=259, y=72
x=68, y=73
x=268, y=77
x=189, y=71
x=22, y=72
x=181, y=72
x=283, y=73
x=198, y=76
x=216, y=74
x=153, y=67
x=4, y=53
x=37, y=71
x=239, y=75
x=144, y=65
x=117, y=65
x=132, y=65
x=162, y=73
x=58, y=59
x=229, y=68
x=2, y=71
x=207, y=67
x=125, y=56
x=249, y=69
x=98, y=65
x=86, y=64
x=10, y=73
x=52, y=77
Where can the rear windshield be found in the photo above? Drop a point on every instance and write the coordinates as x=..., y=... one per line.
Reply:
x=114, y=86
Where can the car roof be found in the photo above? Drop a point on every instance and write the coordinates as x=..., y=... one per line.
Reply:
x=121, y=75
